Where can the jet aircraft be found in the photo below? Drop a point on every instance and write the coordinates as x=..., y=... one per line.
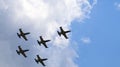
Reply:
x=39, y=60
x=63, y=32
x=22, y=34
x=43, y=42
x=21, y=51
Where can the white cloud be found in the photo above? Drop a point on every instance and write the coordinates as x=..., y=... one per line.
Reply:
x=86, y=40
x=44, y=17
x=117, y=5
x=3, y=5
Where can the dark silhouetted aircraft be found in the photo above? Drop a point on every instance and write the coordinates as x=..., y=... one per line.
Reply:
x=21, y=51
x=63, y=32
x=40, y=60
x=23, y=34
x=43, y=42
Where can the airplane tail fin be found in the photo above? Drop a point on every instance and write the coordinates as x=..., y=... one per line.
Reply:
x=18, y=52
x=59, y=33
x=39, y=42
x=36, y=61
x=18, y=35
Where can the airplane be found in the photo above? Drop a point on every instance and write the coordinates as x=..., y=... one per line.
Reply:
x=43, y=42
x=23, y=34
x=39, y=60
x=63, y=32
x=21, y=51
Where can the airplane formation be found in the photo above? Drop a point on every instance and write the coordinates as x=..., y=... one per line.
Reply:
x=41, y=42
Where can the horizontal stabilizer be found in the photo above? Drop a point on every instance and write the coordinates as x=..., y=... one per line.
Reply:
x=59, y=33
x=18, y=35
x=39, y=42
x=36, y=61
x=18, y=52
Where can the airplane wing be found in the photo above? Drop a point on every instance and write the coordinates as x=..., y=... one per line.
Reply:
x=24, y=54
x=61, y=28
x=65, y=36
x=42, y=63
x=25, y=37
x=19, y=47
x=41, y=38
x=20, y=30
x=45, y=45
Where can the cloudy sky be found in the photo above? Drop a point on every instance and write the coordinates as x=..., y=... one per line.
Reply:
x=93, y=41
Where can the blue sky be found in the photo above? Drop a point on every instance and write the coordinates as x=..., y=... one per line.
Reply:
x=103, y=30
x=93, y=42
